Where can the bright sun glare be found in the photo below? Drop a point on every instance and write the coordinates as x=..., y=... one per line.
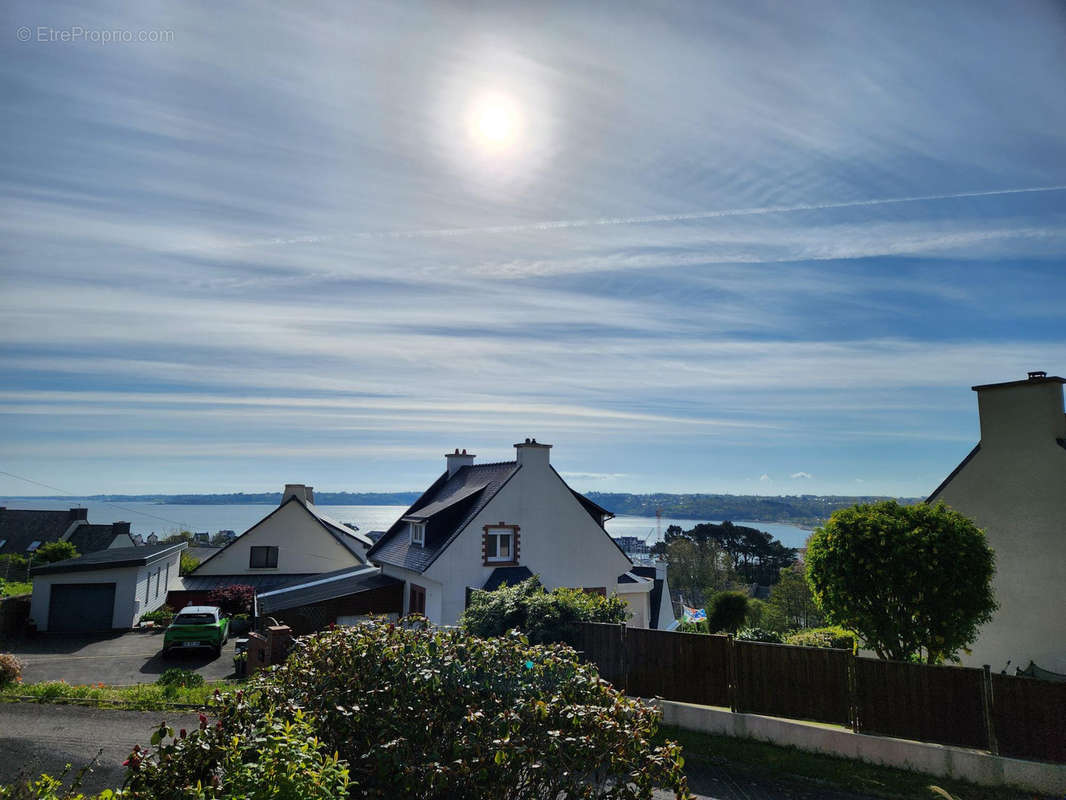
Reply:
x=494, y=122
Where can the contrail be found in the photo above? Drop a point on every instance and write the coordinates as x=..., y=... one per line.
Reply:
x=648, y=219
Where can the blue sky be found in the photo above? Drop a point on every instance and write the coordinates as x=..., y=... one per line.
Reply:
x=732, y=247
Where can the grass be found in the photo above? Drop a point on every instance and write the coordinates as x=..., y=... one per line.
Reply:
x=141, y=697
x=12, y=588
x=791, y=765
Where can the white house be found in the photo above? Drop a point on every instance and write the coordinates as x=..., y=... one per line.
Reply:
x=293, y=541
x=479, y=525
x=1013, y=486
x=104, y=590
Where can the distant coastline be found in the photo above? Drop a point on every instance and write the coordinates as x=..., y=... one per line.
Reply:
x=804, y=511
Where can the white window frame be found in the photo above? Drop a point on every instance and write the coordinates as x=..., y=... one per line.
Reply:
x=418, y=533
x=496, y=535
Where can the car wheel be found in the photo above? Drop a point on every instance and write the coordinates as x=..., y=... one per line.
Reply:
x=218, y=650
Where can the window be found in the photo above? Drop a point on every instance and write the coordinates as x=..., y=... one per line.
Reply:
x=3, y=542
x=33, y=546
x=500, y=544
x=262, y=557
x=168, y=574
x=158, y=570
x=418, y=533
x=417, y=602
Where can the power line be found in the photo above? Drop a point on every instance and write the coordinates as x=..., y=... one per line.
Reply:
x=79, y=497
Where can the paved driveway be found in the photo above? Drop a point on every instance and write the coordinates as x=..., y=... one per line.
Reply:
x=116, y=659
x=43, y=738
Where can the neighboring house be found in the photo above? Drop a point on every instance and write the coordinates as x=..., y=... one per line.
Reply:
x=23, y=531
x=343, y=597
x=1013, y=486
x=480, y=525
x=105, y=590
x=294, y=541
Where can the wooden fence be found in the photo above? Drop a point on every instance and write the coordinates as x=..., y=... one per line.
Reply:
x=1011, y=716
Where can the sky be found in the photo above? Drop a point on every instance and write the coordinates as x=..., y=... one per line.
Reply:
x=697, y=247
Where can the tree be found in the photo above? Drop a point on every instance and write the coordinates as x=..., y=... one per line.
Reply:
x=915, y=582
x=791, y=595
x=51, y=552
x=188, y=564
x=727, y=611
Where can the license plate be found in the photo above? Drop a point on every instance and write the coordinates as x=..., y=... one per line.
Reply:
x=190, y=644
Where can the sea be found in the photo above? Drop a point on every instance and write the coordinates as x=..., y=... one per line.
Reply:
x=164, y=518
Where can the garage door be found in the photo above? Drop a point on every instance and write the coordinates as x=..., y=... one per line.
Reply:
x=78, y=607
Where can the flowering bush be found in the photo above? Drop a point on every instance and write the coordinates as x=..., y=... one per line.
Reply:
x=10, y=669
x=232, y=600
x=422, y=712
x=251, y=751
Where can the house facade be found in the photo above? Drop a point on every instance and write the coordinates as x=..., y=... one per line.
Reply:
x=1013, y=486
x=291, y=544
x=480, y=525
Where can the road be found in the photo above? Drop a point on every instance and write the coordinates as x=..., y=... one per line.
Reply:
x=44, y=738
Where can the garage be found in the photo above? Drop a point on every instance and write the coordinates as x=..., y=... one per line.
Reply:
x=78, y=607
x=105, y=590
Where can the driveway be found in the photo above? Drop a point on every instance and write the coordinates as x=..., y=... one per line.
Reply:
x=117, y=659
x=44, y=738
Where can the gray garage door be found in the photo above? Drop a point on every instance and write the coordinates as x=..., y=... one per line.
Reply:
x=78, y=607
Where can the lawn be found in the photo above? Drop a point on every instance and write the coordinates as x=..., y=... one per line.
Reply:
x=790, y=765
x=11, y=588
x=142, y=697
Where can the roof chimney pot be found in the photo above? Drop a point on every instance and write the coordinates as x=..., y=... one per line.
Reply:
x=1037, y=374
x=457, y=460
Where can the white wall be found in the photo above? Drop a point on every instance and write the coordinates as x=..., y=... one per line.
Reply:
x=558, y=541
x=1015, y=489
x=130, y=585
x=304, y=547
x=434, y=591
x=638, y=604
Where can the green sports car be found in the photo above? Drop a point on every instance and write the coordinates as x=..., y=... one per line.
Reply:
x=197, y=626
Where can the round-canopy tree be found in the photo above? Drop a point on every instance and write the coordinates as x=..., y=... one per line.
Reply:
x=912, y=581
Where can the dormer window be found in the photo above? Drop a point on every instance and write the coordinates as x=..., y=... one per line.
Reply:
x=418, y=533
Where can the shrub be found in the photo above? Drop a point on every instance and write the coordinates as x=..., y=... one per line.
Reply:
x=188, y=564
x=541, y=615
x=693, y=627
x=726, y=611
x=253, y=750
x=15, y=588
x=51, y=552
x=232, y=600
x=421, y=712
x=161, y=616
x=759, y=635
x=10, y=669
x=176, y=676
x=833, y=636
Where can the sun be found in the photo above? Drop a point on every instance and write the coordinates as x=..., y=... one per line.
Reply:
x=495, y=122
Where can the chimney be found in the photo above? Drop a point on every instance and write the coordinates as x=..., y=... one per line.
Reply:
x=299, y=491
x=79, y=513
x=1019, y=412
x=532, y=454
x=458, y=460
x=118, y=528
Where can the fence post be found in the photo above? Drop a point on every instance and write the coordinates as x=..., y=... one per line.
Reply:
x=731, y=674
x=986, y=709
x=853, y=691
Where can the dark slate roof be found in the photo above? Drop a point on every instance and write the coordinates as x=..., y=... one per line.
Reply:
x=23, y=527
x=632, y=577
x=89, y=538
x=448, y=506
x=327, y=586
x=111, y=559
x=261, y=583
x=509, y=575
x=355, y=543
x=656, y=598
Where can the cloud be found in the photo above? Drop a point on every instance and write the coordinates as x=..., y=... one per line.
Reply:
x=801, y=475
x=765, y=478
